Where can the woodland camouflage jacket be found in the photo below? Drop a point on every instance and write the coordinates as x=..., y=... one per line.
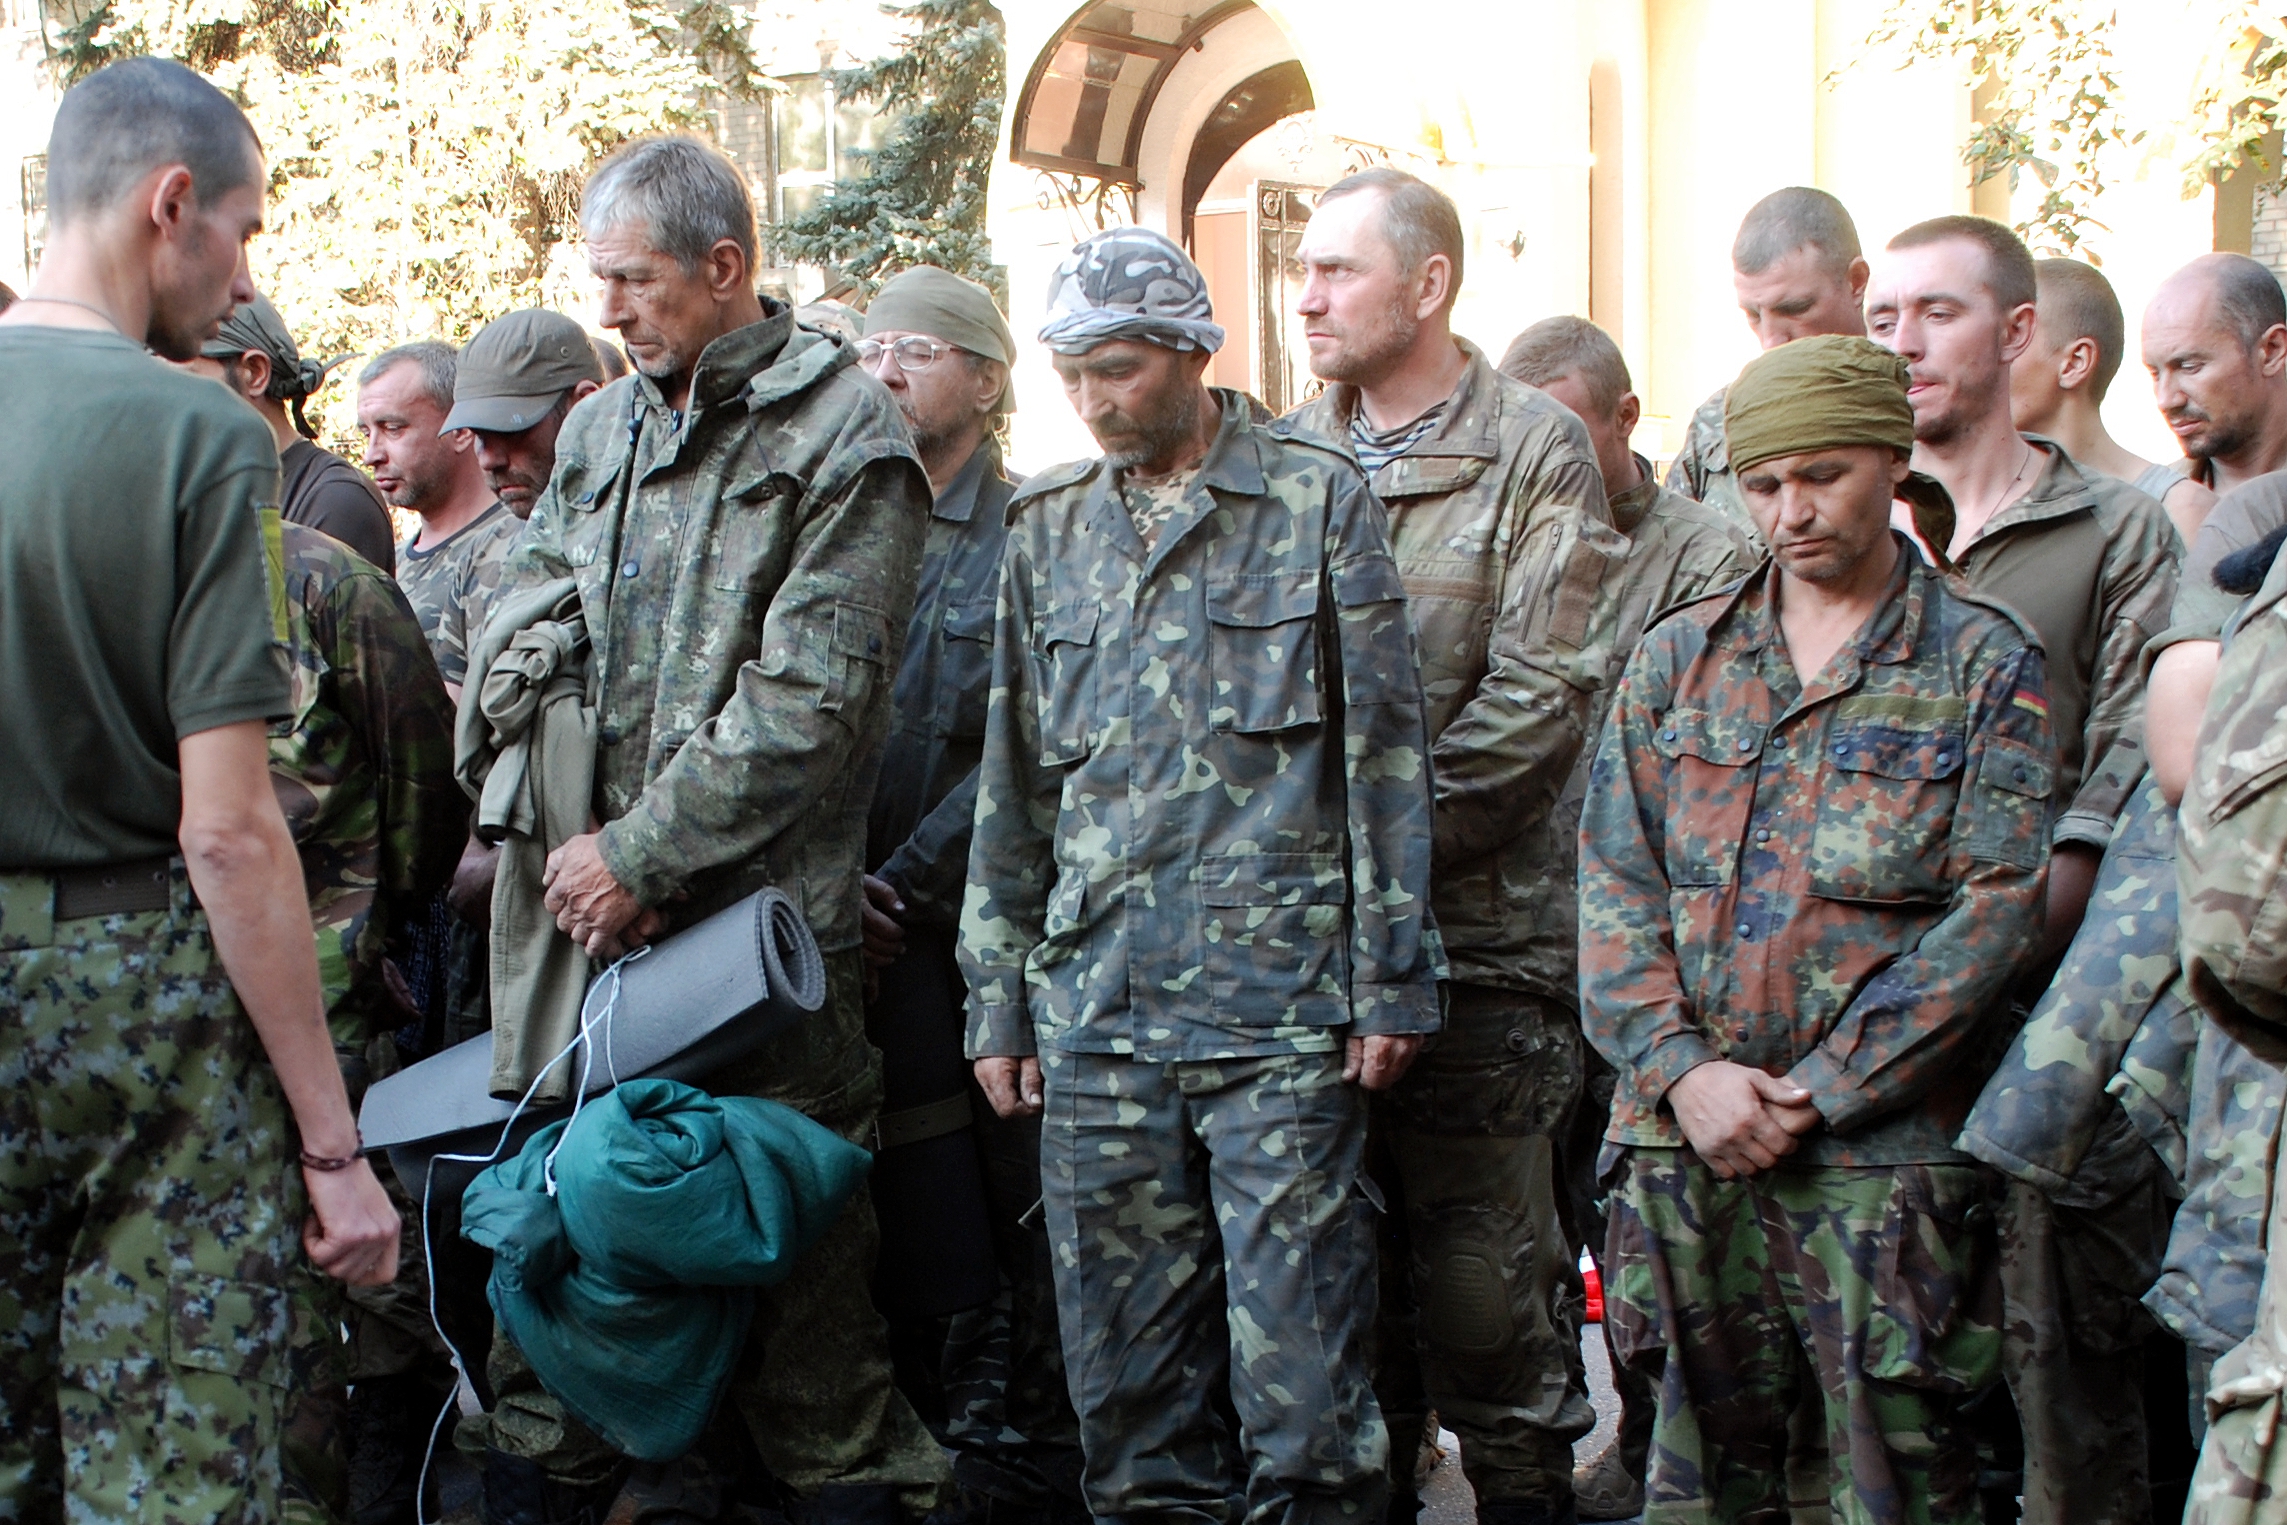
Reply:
x=747, y=568
x=1203, y=814
x=1832, y=881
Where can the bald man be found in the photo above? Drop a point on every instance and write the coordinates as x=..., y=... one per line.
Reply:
x=2215, y=341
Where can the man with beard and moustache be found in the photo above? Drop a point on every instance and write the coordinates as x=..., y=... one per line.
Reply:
x=1197, y=930
x=163, y=1047
x=450, y=566
x=1796, y=269
x=1810, y=860
x=743, y=522
x=2090, y=563
x=2215, y=343
x=1512, y=574
x=951, y=1175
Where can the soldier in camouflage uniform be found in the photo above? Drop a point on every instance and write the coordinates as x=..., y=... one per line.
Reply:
x=2233, y=842
x=1796, y=268
x=1678, y=551
x=1812, y=859
x=1198, y=909
x=163, y=1052
x=1498, y=524
x=363, y=768
x=744, y=520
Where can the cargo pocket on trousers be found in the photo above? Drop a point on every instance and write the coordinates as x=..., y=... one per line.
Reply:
x=1934, y=1315
x=235, y=1329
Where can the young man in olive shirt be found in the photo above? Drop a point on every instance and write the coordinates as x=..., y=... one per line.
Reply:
x=148, y=1213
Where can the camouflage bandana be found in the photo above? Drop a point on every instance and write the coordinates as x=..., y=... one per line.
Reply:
x=1129, y=283
x=1816, y=394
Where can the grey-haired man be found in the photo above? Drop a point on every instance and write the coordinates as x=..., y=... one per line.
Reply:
x=1197, y=921
x=743, y=519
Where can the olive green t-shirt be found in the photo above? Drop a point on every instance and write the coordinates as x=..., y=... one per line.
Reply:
x=139, y=597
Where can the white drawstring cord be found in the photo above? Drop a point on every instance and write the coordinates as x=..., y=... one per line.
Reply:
x=588, y=1025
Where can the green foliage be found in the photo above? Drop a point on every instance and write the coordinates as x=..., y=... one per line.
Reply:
x=426, y=156
x=922, y=200
x=2242, y=95
x=2044, y=72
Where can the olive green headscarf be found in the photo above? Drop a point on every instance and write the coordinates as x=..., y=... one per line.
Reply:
x=1825, y=392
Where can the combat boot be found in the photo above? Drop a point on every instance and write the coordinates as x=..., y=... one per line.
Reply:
x=518, y=1491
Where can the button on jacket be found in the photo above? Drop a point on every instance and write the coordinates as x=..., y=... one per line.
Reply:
x=1833, y=882
x=1512, y=574
x=918, y=835
x=747, y=569
x=1203, y=818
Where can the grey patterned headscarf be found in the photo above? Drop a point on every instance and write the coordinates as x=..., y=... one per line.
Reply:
x=1129, y=283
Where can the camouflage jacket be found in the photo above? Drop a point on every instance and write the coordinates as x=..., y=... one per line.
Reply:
x=746, y=568
x=363, y=767
x=1203, y=819
x=2214, y=1266
x=1833, y=881
x=1701, y=469
x=451, y=586
x=1512, y=575
x=917, y=837
x=2114, y=1028
x=2090, y=563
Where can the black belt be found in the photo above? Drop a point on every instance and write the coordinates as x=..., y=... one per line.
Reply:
x=115, y=889
x=916, y=1125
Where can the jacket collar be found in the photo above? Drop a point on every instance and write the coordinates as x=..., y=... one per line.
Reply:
x=1465, y=439
x=731, y=360
x=958, y=502
x=2059, y=490
x=1233, y=464
x=1631, y=508
x=1750, y=623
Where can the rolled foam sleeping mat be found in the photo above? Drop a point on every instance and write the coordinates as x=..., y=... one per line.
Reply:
x=704, y=998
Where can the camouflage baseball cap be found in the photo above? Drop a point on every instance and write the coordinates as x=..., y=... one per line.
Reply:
x=1129, y=283
x=516, y=368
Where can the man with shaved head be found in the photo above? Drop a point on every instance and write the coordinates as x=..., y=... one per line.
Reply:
x=2215, y=341
x=2057, y=387
x=163, y=1047
x=1796, y=268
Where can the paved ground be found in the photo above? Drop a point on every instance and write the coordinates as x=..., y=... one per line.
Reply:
x=1447, y=1500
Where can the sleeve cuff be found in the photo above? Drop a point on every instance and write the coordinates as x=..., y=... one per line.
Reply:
x=1383, y=1011
x=1840, y=1099
x=618, y=845
x=1667, y=1062
x=2084, y=827
x=1000, y=1031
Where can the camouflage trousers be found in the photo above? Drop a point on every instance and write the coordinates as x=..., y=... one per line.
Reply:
x=2073, y=1346
x=1481, y=1294
x=1210, y=1242
x=1871, y=1286
x=813, y=1384
x=149, y=1222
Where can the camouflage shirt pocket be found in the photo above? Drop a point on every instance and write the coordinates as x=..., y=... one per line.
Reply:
x=2010, y=824
x=1262, y=640
x=1885, y=814
x=1276, y=950
x=965, y=672
x=857, y=658
x=1064, y=662
x=1711, y=757
x=235, y=1328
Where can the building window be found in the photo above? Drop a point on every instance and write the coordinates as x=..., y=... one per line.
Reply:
x=821, y=139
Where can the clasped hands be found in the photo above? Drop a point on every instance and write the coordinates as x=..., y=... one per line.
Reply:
x=1740, y=1119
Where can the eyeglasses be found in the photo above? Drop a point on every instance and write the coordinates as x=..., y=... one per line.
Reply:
x=912, y=353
